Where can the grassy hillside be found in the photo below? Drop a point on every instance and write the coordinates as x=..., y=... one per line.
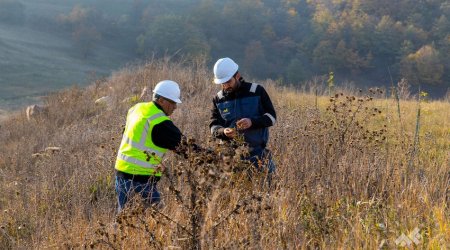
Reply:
x=350, y=173
x=35, y=63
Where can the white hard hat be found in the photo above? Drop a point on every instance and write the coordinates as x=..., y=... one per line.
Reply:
x=168, y=89
x=224, y=69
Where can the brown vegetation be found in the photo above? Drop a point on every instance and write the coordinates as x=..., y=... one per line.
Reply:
x=350, y=173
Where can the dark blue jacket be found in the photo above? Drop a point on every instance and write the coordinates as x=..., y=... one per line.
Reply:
x=250, y=100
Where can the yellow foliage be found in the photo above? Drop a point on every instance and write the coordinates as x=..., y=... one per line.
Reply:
x=425, y=63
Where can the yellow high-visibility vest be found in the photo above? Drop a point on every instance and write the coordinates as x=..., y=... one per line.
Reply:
x=137, y=139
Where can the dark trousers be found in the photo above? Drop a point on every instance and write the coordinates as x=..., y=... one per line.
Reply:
x=129, y=185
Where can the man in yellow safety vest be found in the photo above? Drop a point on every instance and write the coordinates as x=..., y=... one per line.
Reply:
x=148, y=134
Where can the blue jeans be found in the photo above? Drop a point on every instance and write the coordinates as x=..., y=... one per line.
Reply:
x=126, y=188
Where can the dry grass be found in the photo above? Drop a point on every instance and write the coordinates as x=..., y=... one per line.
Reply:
x=349, y=173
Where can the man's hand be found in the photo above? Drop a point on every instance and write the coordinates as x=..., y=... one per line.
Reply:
x=229, y=132
x=244, y=123
x=160, y=168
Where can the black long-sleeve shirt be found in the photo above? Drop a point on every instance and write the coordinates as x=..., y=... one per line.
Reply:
x=166, y=134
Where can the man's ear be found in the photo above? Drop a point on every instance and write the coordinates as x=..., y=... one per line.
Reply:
x=158, y=100
x=238, y=77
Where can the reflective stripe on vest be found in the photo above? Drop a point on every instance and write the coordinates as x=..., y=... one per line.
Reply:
x=141, y=144
x=130, y=159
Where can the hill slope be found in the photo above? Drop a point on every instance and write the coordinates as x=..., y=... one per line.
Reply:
x=348, y=176
x=35, y=62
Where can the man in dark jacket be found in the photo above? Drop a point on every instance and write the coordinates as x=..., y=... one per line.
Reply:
x=242, y=107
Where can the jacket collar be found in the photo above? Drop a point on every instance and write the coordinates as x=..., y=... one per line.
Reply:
x=159, y=107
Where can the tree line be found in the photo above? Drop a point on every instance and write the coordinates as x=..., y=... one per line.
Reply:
x=289, y=40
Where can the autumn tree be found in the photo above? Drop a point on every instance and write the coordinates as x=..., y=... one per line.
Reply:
x=324, y=58
x=424, y=66
x=82, y=22
x=255, y=61
x=387, y=38
x=290, y=40
x=172, y=34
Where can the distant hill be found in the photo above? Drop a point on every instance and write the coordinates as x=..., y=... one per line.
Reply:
x=34, y=62
x=47, y=44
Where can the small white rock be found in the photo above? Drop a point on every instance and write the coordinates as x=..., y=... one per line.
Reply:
x=52, y=149
x=105, y=100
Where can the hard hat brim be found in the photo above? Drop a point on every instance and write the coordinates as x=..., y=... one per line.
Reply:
x=176, y=100
x=222, y=80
